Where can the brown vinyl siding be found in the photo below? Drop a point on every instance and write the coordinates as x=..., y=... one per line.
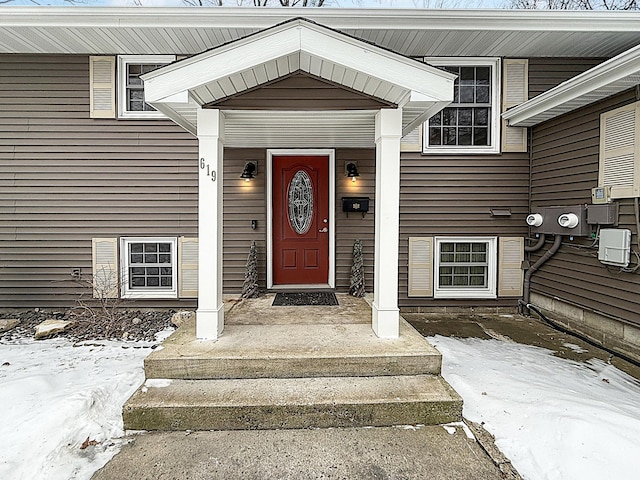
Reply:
x=67, y=178
x=564, y=170
x=300, y=91
x=546, y=73
x=354, y=226
x=453, y=195
x=243, y=202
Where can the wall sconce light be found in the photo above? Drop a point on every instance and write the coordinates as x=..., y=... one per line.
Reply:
x=351, y=170
x=250, y=170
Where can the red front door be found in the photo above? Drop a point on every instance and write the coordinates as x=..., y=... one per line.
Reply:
x=300, y=220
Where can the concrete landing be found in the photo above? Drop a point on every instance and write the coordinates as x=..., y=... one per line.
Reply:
x=295, y=350
x=259, y=311
x=275, y=403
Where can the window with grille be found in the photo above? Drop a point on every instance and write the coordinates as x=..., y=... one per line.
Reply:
x=131, y=87
x=465, y=267
x=149, y=267
x=470, y=124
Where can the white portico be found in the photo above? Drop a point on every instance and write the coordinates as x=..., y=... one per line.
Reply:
x=192, y=92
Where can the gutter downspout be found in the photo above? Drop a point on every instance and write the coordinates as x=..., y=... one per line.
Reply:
x=527, y=276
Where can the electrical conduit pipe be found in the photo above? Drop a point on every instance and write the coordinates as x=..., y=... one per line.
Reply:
x=527, y=276
x=539, y=244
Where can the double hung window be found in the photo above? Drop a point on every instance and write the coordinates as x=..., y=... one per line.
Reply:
x=131, y=102
x=149, y=267
x=470, y=124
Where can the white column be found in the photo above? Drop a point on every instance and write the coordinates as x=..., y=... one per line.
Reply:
x=386, y=315
x=210, y=312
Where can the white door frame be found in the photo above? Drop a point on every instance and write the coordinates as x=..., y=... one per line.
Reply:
x=325, y=152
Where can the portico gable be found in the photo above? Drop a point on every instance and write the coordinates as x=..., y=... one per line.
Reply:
x=210, y=96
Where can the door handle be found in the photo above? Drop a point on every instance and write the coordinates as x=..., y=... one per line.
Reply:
x=323, y=230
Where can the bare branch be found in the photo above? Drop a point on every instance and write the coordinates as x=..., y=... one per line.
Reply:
x=573, y=4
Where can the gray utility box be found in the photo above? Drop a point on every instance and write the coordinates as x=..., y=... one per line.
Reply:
x=603, y=214
x=614, y=246
x=552, y=215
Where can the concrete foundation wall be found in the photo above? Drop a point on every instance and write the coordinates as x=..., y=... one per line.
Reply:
x=606, y=331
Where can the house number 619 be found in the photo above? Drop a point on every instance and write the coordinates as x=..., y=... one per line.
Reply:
x=210, y=172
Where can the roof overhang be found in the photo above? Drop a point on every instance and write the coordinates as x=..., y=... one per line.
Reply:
x=613, y=76
x=180, y=89
x=411, y=32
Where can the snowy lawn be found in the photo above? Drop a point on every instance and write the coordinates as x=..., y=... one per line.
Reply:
x=553, y=418
x=60, y=405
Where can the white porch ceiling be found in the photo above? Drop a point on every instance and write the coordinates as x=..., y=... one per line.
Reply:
x=180, y=89
x=510, y=33
x=346, y=129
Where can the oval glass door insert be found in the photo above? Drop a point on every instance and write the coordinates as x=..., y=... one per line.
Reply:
x=300, y=198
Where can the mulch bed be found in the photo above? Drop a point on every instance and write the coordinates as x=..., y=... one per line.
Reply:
x=126, y=325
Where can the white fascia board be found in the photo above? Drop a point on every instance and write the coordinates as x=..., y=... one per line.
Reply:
x=430, y=109
x=603, y=75
x=179, y=97
x=174, y=116
x=347, y=18
x=229, y=59
x=433, y=83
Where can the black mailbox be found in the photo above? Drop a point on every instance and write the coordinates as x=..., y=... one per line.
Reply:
x=355, y=204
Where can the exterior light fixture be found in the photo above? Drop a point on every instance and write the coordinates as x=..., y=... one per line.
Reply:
x=351, y=169
x=250, y=170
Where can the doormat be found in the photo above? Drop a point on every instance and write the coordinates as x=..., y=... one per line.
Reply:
x=290, y=299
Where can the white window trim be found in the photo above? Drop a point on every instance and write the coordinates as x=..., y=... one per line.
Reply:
x=127, y=292
x=496, y=79
x=123, y=61
x=467, y=292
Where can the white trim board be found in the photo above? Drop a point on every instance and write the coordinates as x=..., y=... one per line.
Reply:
x=608, y=78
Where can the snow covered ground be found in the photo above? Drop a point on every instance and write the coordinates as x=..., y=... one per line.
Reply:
x=554, y=418
x=55, y=397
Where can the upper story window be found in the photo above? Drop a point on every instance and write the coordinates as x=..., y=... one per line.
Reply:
x=471, y=123
x=131, y=102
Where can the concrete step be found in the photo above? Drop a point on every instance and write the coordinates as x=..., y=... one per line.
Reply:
x=292, y=351
x=322, y=402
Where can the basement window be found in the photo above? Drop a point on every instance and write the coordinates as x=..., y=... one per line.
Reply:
x=149, y=267
x=465, y=267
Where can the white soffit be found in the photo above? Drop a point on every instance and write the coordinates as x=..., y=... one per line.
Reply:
x=609, y=78
x=179, y=89
x=411, y=32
